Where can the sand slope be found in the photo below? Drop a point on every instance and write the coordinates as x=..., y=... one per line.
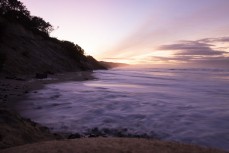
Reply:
x=108, y=145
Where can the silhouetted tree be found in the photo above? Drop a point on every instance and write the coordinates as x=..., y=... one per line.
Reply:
x=79, y=49
x=13, y=5
x=40, y=24
x=14, y=10
x=70, y=46
x=17, y=16
x=72, y=50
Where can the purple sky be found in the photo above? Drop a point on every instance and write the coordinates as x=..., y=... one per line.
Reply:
x=142, y=31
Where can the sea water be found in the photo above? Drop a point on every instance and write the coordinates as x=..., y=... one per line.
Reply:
x=186, y=105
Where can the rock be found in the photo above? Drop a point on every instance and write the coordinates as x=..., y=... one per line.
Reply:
x=41, y=75
x=49, y=72
x=11, y=77
x=74, y=136
x=93, y=136
x=20, y=79
x=15, y=78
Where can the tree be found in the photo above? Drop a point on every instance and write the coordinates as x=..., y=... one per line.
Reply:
x=79, y=49
x=40, y=24
x=72, y=50
x=13, y=5
x=15, y=10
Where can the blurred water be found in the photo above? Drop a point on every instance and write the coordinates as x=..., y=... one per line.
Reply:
x=187, y=105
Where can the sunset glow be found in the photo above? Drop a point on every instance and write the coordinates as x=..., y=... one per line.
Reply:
x=142, y=32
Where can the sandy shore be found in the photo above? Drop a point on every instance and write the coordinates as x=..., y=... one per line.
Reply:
x=109, y=145
x=17, y=133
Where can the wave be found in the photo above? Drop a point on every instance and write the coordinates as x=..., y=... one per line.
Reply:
x=187, y=105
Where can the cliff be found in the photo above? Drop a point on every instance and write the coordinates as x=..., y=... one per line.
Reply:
x=23, y=51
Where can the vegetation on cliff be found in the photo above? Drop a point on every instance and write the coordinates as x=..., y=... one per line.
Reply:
x=16, y=11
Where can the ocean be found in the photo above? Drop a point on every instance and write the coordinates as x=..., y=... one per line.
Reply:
x=184, y=105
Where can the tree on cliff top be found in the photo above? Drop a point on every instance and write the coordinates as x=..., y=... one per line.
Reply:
x=7, y=6
x=15, y=10
x=41, y=25
x=74, y=50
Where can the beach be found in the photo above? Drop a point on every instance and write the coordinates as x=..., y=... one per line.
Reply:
x=23, y=135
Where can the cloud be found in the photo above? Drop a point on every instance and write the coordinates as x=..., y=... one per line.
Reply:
x=114, y=58
x=192, y=48
x=207, y=52
x=168, y=59
x=217, y=62
x=202, y=52
x=163, y=27
x=213, y=40
x=185, y=45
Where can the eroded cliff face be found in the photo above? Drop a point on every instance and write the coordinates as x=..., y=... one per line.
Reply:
x=24, y=52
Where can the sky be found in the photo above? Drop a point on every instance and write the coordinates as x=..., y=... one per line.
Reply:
x=152, y=32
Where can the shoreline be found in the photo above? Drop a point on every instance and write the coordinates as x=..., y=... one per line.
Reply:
x=14, y=89
x=17, y=132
